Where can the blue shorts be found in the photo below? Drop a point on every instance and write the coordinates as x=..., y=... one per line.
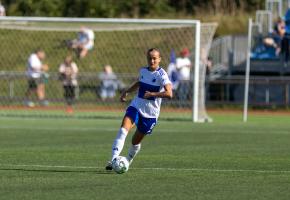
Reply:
x=144, y=125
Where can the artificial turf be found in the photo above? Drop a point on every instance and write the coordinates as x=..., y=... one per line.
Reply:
x=65, y=158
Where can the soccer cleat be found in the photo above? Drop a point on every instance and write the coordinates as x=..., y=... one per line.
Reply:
x=109, y=166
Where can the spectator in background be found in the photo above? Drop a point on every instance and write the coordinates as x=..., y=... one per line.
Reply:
x=272, y=46
x=84, y=42
x=209, y=67
x=279, y=27
x=68, y=75
x=2, y=10
x=286, y=38
x=109, y=83
x=37, y=75
x=172, y=71
x=183, y=65
x=275, y=39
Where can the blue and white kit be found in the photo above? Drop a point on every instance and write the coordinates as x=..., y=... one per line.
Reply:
x=146, y=111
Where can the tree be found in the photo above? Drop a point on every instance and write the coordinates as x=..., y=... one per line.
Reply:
x=127, y=8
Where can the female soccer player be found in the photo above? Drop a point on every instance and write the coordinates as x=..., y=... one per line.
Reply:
x=153, y=84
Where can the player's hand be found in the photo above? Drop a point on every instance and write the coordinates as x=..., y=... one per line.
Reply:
x=123, y=97
x=45, y=68
x=147, y=95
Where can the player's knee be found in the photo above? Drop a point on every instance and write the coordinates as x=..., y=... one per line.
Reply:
x=127, y=123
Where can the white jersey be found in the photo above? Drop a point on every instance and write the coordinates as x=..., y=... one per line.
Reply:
x=183, y=65
x=87, y=37
x=152, y=81
x=34, y=66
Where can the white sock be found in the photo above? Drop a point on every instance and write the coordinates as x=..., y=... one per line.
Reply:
x=119, y=142
x=133, y=151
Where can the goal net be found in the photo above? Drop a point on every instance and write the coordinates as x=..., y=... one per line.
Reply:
x=120, y=43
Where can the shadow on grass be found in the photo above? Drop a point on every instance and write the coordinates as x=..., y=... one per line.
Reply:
x=96, y=171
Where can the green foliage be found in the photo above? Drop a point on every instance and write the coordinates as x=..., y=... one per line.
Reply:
x=36, y=8
x=127, y=8
x=204, y=9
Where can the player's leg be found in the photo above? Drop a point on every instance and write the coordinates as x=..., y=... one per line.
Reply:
x=40, y=91
x=68, y=93
x=72, y=94
x=119, y=141
x=144, y=127
x=136, y=145
x=128, y=122
x=111, y=94
x=83, y=53
x=41, y=95
x=31, y=89
x=103, y=94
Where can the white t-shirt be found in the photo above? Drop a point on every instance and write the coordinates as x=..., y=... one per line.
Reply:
x=2, y=10
x=34, y=66
x=152, y=81
x=183, y=65
x=87, y=37
x=70, y=74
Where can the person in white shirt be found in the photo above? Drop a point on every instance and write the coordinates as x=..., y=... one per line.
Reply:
x=153, y=84
x=183, y=65
x=37, y=74
x=109, y=83
x=2, y=10
x=68, y=75
x=85, y=42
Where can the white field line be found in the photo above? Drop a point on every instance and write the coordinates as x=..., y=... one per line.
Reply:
x=13, y=166
x=81, y=129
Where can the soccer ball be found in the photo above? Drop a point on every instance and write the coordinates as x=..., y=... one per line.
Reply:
x=120, y=164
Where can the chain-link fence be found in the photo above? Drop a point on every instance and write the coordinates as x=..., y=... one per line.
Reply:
x=122, y=45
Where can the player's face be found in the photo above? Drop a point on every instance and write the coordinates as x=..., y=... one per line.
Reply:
x=153, y=59
x=41, y=55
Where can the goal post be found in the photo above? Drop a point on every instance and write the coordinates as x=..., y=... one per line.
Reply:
x=207, y=31
x=121, y=43
x=247, y=72
x=195, y=110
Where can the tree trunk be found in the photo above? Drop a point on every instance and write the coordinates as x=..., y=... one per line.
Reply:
x=135, y=9
x=216, y=6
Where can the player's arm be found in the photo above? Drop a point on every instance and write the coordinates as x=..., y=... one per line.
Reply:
x=167, y=93
x=132, y=88
x=44, y=67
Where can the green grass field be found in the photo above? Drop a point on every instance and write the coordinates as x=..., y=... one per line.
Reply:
x=65, y=159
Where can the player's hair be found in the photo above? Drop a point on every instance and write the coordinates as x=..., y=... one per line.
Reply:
x=154, y=49
x=38, y=50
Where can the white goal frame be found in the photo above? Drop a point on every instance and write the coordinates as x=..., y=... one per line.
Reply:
x=195, y=23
